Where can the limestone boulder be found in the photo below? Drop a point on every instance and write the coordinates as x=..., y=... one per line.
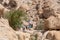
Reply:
x=51, y=35
x=52, y=23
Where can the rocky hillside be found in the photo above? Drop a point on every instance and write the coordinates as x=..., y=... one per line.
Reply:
x=45, y=11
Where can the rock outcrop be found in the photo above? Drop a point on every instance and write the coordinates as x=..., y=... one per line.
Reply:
x=6, y=32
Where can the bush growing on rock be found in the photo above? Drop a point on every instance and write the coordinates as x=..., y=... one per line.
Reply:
x=15, y=18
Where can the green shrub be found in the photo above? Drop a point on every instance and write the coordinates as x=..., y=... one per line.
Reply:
x=15, y=18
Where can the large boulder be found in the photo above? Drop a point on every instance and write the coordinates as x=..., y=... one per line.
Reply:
x=52, y=23
x=51, y=35
x=6, y=32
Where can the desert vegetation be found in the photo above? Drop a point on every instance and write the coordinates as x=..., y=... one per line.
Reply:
x=15, y=18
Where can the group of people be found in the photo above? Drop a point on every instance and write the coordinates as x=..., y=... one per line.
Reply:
x=27, y=25
x=30, y=24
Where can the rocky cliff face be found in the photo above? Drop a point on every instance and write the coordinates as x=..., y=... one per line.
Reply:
x=47, y=10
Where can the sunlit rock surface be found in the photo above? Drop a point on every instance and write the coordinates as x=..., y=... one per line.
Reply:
x=51, y=35
x=6, y=32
